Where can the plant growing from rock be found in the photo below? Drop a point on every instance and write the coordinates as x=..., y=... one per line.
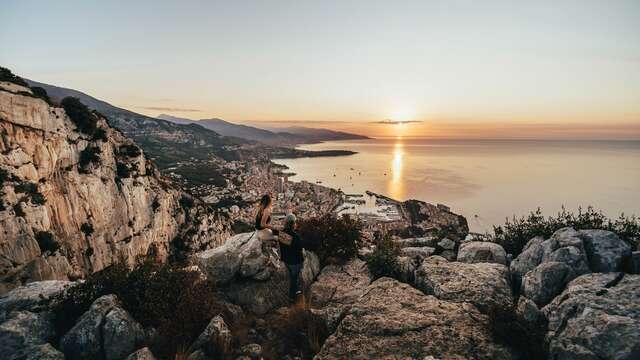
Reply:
x=333, y=239
x=383, y=261
x=80, y=114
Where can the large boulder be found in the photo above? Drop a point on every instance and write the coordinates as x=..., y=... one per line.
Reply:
x=393, y=320
x=249, y=272
x=142, y=354
x=605, y=250
x=485, y=285
x=105, y=331
x=37, y=352
x=337, y=288
x=596, y=317
x=214, y=340
x=22, y=330
x=482, y=251
x=529, y=258
x=33, y=297
x=546, y=281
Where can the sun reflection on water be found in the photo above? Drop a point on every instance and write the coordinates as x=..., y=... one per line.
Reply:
x=396, y=186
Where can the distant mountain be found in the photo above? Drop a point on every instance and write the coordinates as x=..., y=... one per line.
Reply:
x=270, y=136
x=164, y=141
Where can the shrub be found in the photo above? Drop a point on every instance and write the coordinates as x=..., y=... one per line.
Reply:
x=26, y=188
x=526, y=338
x=17, y=209
x=7, y=75
x=186, y=202
x=89, y=155
x=79, y=113
x=384, y=259
x=38, y=199
x=87, y=229
x=175, y=301
x=515, y=233
x=130, y=150
x=332, y=238
x=122, y=170
x=41, y=93
x=4, y=176
x=46, y=241
x=100, y=134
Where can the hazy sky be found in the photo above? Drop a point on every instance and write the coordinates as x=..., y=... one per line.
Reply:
x=559, y=69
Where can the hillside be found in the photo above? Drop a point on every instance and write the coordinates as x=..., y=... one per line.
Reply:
x=270, y=136
x=76, y=194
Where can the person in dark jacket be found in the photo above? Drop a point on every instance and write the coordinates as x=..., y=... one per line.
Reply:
x=292, y=256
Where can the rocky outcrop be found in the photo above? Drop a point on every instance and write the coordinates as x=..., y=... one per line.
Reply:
x=337, y=288
x=72, y=203
x=428, y=219
x=482, y=251
x=23, y=330
x=249, y=272
x=37, y=352
x=596, y=317
x=546, y=281
x=105, y=331
x=214, y=340
x=142, y=354
x=33, y=297
x=605, y=250
x=484, y=285
x=394, y=320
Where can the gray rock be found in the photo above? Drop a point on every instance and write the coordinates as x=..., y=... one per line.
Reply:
x=223, y=263
x=484, y=285
x=546, y=281
x=32, y=297
x=105, y=330
x=447, y=244
x=393, y=320
x=429, y=241
x=596, y=317
x=605, y=250
x=482, y=251
x=450, y=255
x=252, y=351
x=24, y=329
x=419, y=253
x=142, y=354
x=197, y=355
x=572, y=256
x=633, y=266
x=37, y=352
x=528, y=311
x=407, y=268
x=337, y=288
x=215, y=339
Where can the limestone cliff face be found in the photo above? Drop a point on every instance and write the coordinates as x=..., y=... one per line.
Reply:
x=71, y=204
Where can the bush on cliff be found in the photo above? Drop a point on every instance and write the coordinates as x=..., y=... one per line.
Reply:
x=80, y=114
x=174, y=301
x=334, y=239
x=383, y=261
x=515, y=233
x=7, y=75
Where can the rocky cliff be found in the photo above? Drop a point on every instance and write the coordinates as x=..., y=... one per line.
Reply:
x=72, y=203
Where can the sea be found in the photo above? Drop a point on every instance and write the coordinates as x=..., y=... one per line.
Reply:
x=487, y=181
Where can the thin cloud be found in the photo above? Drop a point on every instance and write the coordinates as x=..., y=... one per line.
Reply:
x=395, y=122
x=161, y=108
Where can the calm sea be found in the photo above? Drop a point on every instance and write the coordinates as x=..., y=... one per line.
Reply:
x=485, y=180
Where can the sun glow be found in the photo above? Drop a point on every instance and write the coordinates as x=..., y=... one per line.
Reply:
x=396, y=188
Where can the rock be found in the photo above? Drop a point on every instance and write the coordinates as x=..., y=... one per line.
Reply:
x=311, y=268
x=596, y=317
x=529, y=258
x=337, y=288
x=484, y=285
x=450, y=255
x=528, y=311
x=105, y=330
x=419, y=253
x=223, y=263
x=546, y=281
x=429, y=220
x=394, y=320
x=436, y=259
x=197, y=355
x=37, y=352
x=33, y=297
x=482, y=251
x=428, y=241
x=633, y=262
x=605, y=250
x=142, y=354
x=24, y=329
x=572, y=256
x=407, y=268
x=214, y=340
x=252, y=351
x=447, y=244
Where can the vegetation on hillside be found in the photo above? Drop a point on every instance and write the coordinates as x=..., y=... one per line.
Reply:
x=515, y=233
x=7, y=75
x=383, y=261
x=80, y=114
x=333, y=239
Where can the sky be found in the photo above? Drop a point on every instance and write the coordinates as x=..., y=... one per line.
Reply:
x=460, y=69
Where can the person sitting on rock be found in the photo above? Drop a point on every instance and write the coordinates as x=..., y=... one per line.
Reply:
x=263, y=219
x=291, y=255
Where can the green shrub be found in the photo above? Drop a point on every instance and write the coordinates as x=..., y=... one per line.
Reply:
x=17, y=209
x=122, y=170
x=87, y=228
x=46, y=241
x=7, y=75
x=332, y=238
x=130, y=150
x=384, y=259
x=89, y=155
x=38, y=199
x=79, y=113
x=4, y=177
x=26, y=188
x=515, y=233
x=175, y=301
x=41, y=93
x=100, y=134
